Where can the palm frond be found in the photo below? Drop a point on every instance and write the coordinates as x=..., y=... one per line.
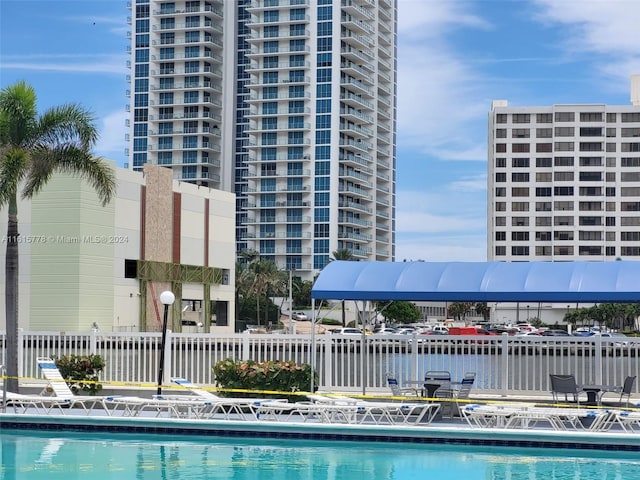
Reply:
x=18, y=114
x=66, y=124
x=13, y=167
x=70, y=159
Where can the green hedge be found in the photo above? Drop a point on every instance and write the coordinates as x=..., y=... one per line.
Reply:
x=80, y=372
x=261, y=377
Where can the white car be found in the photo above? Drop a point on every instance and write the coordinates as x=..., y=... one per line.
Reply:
x=299, y=317
x=347, y=331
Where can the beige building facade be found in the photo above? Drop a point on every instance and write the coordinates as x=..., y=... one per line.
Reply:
x=83, y=265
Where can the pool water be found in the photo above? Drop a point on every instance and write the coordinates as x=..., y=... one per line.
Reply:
x=29, y=455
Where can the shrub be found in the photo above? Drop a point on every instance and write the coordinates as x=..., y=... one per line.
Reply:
x=271, y=376
x=81, y=372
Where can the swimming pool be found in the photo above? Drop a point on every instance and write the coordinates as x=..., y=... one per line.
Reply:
x=32, y=455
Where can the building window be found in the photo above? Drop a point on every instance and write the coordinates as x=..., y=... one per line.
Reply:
x=543, y=162
x=544, y=133
x=565, y=116
x=543, y=236
x=501, y=250
x=563, y=251
x=590, y=116
x=501, y=192
x=590, y=131
x=520, y=118
x=520, y=162
x=520, y=192
x=501, y=162
x=544, y=147
x=520, y=221
x=563, y=161
x=563, y=176
x=520, y=148
x=543, y=191
x=501, y=236
x=520, y=177
x=519, y=250
x=564, y=146
x=544, y=118
x=589, y=250
x=501, y=118
x=564, y=132
x=520, y=133
x=520, y=236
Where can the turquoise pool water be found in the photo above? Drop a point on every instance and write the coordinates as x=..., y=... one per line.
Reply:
x=28, y=455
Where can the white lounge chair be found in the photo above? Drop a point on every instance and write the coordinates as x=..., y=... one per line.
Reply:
x=32, y=403
x=228, y=407
x=374, y=411
x=525, y=416
x=61, y=391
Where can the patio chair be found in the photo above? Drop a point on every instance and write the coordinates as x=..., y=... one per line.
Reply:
x=565, y=385
x=61, y=391
x=456, y=396
x=434, y=380
x=398, y=391
x=627, y=387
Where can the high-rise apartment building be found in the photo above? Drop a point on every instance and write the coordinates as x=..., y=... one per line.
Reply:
x=564, y=182
x=288, y=103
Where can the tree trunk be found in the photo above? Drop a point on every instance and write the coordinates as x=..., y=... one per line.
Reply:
x=344, y=315
x=11, y=298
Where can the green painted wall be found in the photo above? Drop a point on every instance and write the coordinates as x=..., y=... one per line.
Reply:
x=72, y=269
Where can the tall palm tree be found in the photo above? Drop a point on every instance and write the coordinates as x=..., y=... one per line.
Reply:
x=342, y=254
x=32, y=148
x=264, y=271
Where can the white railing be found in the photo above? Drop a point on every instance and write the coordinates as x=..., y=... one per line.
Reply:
x=503, y=365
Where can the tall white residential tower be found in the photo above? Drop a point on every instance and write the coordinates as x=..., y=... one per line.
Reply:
x=291, y=104
x=564, y=182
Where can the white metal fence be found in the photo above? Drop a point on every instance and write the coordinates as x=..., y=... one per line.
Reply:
x=503, y=365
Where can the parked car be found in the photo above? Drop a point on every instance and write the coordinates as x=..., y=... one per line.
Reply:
x=346, y=331
x=554, y=333
x=299, y=317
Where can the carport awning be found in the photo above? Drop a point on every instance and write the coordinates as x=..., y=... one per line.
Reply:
x=587, y=282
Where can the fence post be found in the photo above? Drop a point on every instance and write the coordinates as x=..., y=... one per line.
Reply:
x=244, y=354
x=168, y=360
x=504, y=363
x=20, y=354
x=414, y=374
x=328, y=361
x=93, y=341
x=598, y=362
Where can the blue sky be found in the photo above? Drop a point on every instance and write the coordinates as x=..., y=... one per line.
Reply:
x=454, y=58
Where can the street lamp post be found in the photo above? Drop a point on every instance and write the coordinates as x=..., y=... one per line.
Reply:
x=166, y=298
x=290, y=301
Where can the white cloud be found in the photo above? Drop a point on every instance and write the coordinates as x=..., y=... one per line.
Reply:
x=456, y=209
x=439, y=94
x=607, y=28
x=443, y=249
x=103, y=64
x=111, y=143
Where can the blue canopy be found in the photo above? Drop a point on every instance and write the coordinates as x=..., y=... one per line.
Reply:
x=589, y=282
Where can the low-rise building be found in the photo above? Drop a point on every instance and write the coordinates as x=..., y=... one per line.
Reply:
x=84, y=266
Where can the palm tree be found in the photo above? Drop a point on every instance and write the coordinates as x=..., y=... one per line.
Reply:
x=342, y=254
x=264, y=272
x=32, y=148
